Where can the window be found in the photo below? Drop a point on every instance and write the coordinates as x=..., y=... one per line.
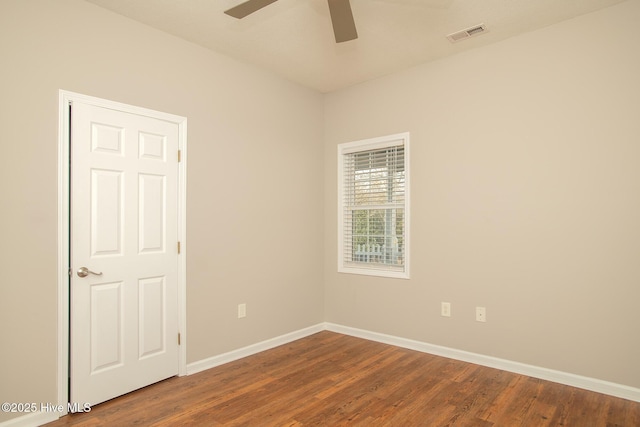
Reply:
x=373, y=204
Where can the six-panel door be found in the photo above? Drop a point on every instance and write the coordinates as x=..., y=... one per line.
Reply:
x=124, y=229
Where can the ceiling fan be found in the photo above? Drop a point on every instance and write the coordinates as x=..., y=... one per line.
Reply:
x=344, y=27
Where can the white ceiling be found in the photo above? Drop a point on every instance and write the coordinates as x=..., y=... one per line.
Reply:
x=294, y=38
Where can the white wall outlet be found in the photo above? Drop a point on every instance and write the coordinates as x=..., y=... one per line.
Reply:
x=481, y=314
x=445, y=309
x=242, y=311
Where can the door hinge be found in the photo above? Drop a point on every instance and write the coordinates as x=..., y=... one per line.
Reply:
x=179, y=156
x=178, y=247
x=70, y=271
x=178, y=338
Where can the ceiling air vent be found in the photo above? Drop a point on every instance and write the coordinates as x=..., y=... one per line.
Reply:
x=466, y=33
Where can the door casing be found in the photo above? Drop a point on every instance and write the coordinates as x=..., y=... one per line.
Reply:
x=67, y=98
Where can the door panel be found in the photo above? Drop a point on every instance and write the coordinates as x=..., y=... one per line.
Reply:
x=152, y=190
x=124, y=228
x=106, y=209
x=106, y=326
x=152, y=322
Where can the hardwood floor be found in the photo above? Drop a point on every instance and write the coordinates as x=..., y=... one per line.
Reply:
x=330, y=379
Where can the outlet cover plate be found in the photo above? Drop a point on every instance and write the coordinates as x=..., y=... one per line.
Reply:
x=445, y=309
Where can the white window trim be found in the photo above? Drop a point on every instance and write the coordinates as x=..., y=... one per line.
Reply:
x=365, y=145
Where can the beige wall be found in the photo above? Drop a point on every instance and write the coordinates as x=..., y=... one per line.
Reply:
x=254, y=232
x=525, y=198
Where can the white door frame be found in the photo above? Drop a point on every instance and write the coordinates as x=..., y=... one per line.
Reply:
x=66, y=98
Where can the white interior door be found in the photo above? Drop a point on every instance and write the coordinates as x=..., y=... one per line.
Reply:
x=124, y=228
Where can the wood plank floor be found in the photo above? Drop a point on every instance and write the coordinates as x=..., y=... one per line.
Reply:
x=330, y=379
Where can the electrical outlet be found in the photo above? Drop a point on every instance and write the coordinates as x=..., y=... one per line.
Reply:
x=242, y=311
x=445, y=309
x=481, y=314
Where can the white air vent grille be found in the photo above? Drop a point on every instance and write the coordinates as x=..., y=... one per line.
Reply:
x=467, y=32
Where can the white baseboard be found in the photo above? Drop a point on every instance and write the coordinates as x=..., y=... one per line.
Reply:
x=587, y=383
x=33, y=419
x=221, y=359
x=592, y=384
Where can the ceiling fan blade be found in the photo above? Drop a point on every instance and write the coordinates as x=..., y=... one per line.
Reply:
x=247, y=8
x=344, y=27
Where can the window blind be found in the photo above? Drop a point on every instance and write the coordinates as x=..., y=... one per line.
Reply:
x=373, y=216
